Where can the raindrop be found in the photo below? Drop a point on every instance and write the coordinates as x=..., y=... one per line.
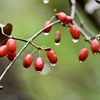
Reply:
x=94, y=53
x=81, y=61
x=52, y=64
x=46, y=33
x=45, y=1
x=38, y=71
x=75, y=40
x=1, y=87
x=57, y=43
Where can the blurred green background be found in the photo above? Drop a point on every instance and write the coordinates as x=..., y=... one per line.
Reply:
x=69, y=79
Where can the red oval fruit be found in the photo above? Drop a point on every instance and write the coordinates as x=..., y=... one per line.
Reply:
x=39, y=64
x=11, y=45
x=83, y=54
x=94, y=46
x=65, y=19
x=3, y=50
x=11, y=55
x=74, y=31
x=52, y=56
x=27, y=61
x=47, y=30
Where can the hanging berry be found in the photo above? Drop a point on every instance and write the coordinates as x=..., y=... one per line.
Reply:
x=11, y=45
x=74, y=31
x=47, y=30
x=11, y=55
x=3, y=50
x=52, y=57
x=27, y=61
x=94, y=46
x=39, y=64
x=65, y=19
x=83, y=54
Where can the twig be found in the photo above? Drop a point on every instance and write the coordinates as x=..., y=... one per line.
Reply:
x=83, y=24
x=24, y=47
x=73, y=8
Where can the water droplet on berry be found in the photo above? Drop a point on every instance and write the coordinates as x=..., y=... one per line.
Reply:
x=81, y=61
x=38, y=71
x=57, y=43
x=94, y=53
x=46, y=33
x=45, y=1
x=52, y=64
x=75, y=40
x=1, y=87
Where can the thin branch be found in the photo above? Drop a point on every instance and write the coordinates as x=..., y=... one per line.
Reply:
x=83, y=24
x=24, y=40
x=73, y=8
x=24, y=47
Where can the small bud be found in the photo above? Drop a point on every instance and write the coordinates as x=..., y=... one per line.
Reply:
x=57, y=36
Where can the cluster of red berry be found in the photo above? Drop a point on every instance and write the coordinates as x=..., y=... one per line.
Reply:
x=8, y=49
x=95, y=48
x=75, y=33
x=65, y=20
x=39, y=62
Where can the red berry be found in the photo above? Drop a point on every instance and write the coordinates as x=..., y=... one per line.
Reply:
x=94, y=46
x=11, y=45
x=11, y=55
x=39, y=64
x=83, y=54
x=3, y=50
x=47, y=30
x=65, y=19
x=74, y=31
x=27, y=61
x=51, y=56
